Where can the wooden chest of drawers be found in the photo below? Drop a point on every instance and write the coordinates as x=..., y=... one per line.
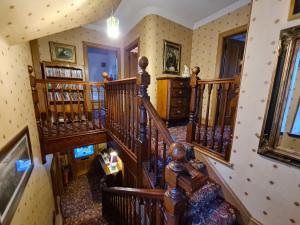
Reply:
x=173, y=98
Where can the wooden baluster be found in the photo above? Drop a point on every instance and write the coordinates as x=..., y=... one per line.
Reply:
x=78, y=104
x=200, y=105
x=126, y=116
x=215, y=125
x=71, y=107
x=146, y=210
x=174, y=200
x=191, y=127
x=156, y=157
x=207, y=114
x=55, y=111
x=164, y=164
x=223, y=113
x=63, y=107
x=150, y=140
x=49, y=125
x=99, y=107
x=106, y=113
x=93, y=106
x=132, y=116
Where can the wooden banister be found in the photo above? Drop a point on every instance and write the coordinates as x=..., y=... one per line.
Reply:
x=213, y=106
x=133, y=206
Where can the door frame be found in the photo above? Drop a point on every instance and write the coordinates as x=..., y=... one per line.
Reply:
x=86, y=45
x=222, y=36
x=128, y=48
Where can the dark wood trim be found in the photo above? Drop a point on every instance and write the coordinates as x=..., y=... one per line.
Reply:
x=138, y=192
x=85, y=46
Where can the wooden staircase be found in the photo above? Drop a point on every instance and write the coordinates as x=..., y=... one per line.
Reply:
x=154, y=164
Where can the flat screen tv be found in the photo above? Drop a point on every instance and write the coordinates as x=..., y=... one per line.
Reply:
x=83, y=151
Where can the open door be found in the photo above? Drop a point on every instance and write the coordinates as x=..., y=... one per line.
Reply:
x=131, y=59
x=232, y=55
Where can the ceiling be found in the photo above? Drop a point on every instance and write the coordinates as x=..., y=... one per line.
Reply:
x=189, y=13
x=23, y=20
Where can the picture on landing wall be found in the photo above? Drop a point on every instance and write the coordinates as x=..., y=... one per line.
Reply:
x=16, y=164
x=172, y=57
x=294, y=12
x=62, y=52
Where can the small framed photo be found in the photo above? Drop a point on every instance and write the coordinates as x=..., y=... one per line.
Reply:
x=16, y=165
x=294, y=12
x=62, y=52
x=172, y=58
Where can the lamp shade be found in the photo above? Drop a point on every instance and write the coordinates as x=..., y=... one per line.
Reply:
x=112, y=27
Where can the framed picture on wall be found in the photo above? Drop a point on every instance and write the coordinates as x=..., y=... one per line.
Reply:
x=172, y=58
x=16, y=165
x=62, y=52
x=294, y=12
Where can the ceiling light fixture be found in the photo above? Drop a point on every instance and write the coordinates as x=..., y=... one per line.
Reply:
x=112, y=24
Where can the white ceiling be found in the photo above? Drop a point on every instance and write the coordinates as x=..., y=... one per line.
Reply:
x=189, y=13
x=23, y=20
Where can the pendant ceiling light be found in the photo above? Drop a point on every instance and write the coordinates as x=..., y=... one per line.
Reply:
x=112, y=24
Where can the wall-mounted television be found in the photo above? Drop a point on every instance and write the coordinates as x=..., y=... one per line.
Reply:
x=83, y=151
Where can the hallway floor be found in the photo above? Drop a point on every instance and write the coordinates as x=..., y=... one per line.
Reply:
x=81, y=202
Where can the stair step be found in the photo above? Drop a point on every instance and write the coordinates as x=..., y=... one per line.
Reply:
x=205, y=195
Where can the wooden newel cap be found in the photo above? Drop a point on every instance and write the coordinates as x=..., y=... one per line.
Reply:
x=30, y=69
x=143, y=62
x=196, y=70
x=177, y=151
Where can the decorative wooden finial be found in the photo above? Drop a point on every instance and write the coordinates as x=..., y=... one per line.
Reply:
x=30, y=69
x=196, y=70
x=143, y=62
x=177, y=151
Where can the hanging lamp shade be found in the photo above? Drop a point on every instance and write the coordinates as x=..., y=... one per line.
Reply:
x=112, y=27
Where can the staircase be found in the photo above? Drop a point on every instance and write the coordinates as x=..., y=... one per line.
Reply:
x=170, y=187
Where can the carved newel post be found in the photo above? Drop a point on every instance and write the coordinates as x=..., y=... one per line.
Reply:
x=174, y=199
x=191, y=127
x=143, y=81
x=34, y=93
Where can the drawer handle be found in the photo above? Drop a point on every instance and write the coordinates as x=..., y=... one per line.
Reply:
x=181, y=83
x=179, y=101
x=180, y=92
x=178, y=111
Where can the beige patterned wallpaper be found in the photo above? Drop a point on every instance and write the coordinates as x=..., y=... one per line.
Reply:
x=152, y=31
x=75, y=37
x=26, y=20
x=206, y=37
x=269, y=189
x=16, y=111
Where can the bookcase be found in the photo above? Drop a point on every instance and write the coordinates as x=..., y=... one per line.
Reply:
x=64, y=94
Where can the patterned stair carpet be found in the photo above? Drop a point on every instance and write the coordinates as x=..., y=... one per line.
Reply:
x=81, y=201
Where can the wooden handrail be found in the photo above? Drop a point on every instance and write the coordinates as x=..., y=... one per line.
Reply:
x=217, y=81
x=145, y=193
x=122, y=81
x=158, y=122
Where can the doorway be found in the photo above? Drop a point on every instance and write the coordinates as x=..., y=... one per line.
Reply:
x=231, y=51
x=131, y=56
x=99, y=59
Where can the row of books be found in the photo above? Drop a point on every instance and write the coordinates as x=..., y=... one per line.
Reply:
x=64, y=72
x=65, y=86
x=65, y=96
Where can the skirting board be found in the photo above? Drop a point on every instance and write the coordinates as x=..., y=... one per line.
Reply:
x=245, y=217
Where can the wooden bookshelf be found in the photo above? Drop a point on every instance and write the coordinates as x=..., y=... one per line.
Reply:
x=61, y=71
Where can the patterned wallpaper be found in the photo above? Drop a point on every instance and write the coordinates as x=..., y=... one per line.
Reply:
x=269, y=189
x=75, y=37
x=206, y=37
x=153, y=30
x=41, y=18
x=16, y=111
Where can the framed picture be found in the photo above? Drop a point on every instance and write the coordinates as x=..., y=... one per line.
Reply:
x=16, y=165
x=62, y=52
x=172, y=57
x=294, y=12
